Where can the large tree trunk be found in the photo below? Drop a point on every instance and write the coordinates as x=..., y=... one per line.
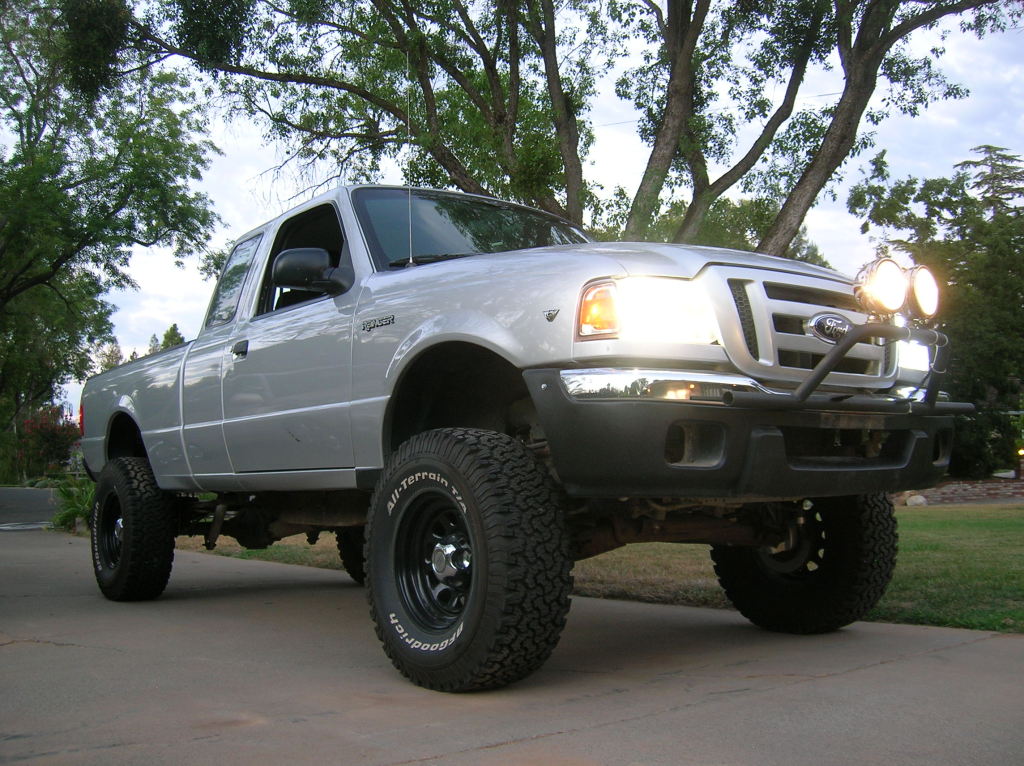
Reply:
x=542, y=27
x=696, y=212
x=835, y=148
x=682, y=30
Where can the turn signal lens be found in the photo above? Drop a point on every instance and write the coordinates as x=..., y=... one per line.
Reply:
x=924, y=292
x=599, y=314
x=882, y=287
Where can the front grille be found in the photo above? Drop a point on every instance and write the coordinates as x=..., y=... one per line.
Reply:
x=802, y=360
x=822, y=299
x=739, y=296
x=771, y=313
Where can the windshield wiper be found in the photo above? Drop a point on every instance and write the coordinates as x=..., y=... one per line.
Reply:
x=416, y=260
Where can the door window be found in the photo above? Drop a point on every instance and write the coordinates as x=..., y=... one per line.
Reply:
x=318, y=228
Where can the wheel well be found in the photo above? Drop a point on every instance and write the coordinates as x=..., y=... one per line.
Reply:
x=124, y=438
x=457, y=384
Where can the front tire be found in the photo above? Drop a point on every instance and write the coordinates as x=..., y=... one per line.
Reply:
x=133, y=529
x=468, y=560
x=836, y=572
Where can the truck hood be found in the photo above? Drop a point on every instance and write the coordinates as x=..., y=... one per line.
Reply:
x=687, y=261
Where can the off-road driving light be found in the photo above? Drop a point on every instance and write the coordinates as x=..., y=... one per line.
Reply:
x=924, y=292
x=599, y=316
x=882, y=286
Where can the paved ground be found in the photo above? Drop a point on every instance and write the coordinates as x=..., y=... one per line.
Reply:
x=259, y=663
x=25, y=508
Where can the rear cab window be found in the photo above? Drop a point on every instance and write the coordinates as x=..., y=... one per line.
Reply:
x=232, y=279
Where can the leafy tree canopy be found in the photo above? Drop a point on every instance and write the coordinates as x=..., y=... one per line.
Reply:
x=86, y=173
x=494, y=97
x=172, y=337
x=82, y=180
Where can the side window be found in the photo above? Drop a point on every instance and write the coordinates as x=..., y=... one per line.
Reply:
x=319, y=228
x=229, y=288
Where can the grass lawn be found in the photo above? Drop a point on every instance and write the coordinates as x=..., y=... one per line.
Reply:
x=958, y=566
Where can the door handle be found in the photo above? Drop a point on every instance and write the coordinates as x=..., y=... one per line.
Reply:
x=240, y=349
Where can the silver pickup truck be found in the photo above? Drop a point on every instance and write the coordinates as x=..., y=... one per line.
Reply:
x=471, y=395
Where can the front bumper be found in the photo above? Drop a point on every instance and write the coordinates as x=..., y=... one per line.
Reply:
x=671, y=433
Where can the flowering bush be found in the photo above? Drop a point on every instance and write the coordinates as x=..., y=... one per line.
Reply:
x=45, y=441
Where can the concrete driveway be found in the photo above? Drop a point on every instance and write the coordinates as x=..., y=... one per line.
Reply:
x=258, y=663
x=26, y=508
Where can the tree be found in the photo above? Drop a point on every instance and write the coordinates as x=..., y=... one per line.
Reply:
x=46, y=336
x=85, y=174
x=478, y=89
x=717, y=61
x=738, y=225
x=172, y=337
x=47, y=437
x=108, y=356
x=88, y=175
x=154, y=344
x=970, y=229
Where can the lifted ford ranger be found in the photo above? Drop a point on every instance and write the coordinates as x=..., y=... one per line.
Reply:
x=471, y=395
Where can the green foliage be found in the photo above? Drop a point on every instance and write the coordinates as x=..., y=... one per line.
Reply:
x=98, y=31
x=91, y=167
x=172, y=337
x=84, y=180
x=970, y=229
x=494, y=98
x=44, y=441
x=220, y=37
x=46, y=339
x=108, y=356
x=75, y=493
x=734, y=224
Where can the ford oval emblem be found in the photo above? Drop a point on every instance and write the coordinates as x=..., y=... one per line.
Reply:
x=831, y=328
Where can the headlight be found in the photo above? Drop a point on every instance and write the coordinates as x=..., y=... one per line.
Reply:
x=924, y=292
x=882, y=287
x=647, y=309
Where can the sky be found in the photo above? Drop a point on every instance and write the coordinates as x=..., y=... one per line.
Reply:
x=245, y=193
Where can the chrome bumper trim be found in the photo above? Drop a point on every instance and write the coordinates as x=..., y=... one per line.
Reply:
x=647, y=384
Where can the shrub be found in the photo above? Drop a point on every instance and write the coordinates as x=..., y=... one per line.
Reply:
x=74, y=498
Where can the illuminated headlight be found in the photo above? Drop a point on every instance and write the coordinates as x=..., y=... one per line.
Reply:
x=882, y=287
x=924, y=292
x=647, y=309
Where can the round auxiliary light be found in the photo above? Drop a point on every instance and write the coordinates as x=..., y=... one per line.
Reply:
x=924, y=292
x=882, y=286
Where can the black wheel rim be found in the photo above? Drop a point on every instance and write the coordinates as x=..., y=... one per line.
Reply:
x=804, y=558
x=433, y=561
x=110, y=532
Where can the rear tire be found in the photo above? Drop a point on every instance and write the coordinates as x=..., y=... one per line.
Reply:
x=468, y=560
x=350, y=550
x=834, y=575
x=133, y=529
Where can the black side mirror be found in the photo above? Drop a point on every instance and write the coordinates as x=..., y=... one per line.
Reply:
x=309, y=268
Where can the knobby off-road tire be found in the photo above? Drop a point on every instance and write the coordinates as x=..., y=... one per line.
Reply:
x=133, y=531
x=350, y=550
x=835, y=574
x=468, y=560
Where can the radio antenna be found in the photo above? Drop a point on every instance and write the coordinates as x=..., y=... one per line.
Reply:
x=408, y=151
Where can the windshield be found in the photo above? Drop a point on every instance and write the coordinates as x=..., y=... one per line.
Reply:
x=450, y=226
